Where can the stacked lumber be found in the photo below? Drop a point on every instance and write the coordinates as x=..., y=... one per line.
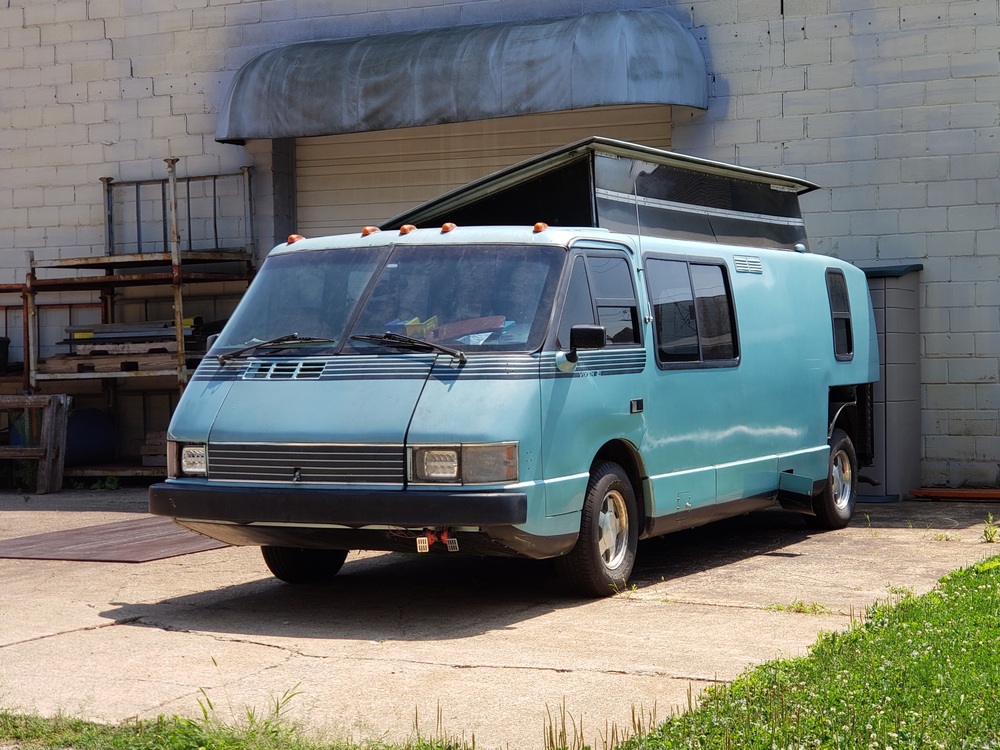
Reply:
x=154, y=449
x=67, y=364
x=151, y=337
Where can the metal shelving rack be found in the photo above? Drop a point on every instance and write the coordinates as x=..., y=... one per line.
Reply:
x=167, y=264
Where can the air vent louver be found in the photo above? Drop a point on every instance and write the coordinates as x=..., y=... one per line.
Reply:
x=748, y=264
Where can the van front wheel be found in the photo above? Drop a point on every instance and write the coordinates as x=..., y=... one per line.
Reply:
x=834, y=506
x=602, y=559
x=298, y=565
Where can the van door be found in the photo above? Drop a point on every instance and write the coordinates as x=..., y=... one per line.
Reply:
x=699, y=448
x=586, y=404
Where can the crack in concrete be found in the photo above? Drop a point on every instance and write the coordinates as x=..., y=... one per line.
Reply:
x=425, y=663
x=46, y=636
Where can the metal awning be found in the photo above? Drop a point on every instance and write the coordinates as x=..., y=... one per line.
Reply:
x=464, y=73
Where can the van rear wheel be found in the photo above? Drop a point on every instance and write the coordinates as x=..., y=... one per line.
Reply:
x=834, y=506
x=601, y=561
x=299, y=565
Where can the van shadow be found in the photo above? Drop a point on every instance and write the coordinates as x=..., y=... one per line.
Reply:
x=718, y=544
x=410, y=597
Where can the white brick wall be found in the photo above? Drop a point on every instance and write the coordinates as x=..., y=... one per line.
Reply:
x=892, y=108
x=900, y=116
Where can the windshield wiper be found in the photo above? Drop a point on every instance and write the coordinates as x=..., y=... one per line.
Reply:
x=289, y=337
x=398, y=339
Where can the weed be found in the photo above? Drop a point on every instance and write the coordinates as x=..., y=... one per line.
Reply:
x=945, y=536
x=899, y=593
x=800, y=607
x=627, y=591
x=556, y=736
x=107, y=483
x=439, y=740
x=623, y=589
x=872, y=532
x=991, y=530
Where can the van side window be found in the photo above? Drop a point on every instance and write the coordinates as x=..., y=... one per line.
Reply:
x=673, y=310
x=614, y=294
x=612, y=304
x=840, y=313
x=692, y=312
x=579, y=307
x=715, y=313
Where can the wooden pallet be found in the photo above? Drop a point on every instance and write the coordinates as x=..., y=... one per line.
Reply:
x=50, y=452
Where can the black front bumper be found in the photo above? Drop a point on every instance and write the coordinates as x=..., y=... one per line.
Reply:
x=339, y=507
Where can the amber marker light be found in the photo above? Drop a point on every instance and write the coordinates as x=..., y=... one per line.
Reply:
x=406, y=228
x=293, y=238
x=541, y=226
x=369, y=230
x=448, y=226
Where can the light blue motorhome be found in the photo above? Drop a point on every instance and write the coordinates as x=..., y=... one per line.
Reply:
x=605, y=343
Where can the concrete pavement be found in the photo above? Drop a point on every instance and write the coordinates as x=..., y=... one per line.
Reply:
x=486, y=647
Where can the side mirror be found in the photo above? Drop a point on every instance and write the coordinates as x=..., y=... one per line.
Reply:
x=586, y=337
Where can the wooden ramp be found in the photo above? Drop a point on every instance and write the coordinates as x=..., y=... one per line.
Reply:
x=141, y=540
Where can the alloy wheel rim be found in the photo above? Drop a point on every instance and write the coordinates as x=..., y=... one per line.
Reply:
x=612, y=530
x=841, y=480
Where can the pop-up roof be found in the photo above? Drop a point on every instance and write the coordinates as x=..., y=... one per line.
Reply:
x=625, y=187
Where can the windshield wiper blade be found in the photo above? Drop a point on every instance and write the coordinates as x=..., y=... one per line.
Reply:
x=288, y=337
x=398, y=339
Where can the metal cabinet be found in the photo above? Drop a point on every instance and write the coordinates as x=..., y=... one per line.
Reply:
x=895, y=299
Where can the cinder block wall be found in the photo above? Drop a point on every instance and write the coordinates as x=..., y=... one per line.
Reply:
x=892, y=109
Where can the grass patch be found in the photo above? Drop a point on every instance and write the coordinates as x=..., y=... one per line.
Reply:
x=921, y=672
x=256, y=731
x=177, y=733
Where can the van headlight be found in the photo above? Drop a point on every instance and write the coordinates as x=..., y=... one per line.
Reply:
x=193, y=460
x=481, y=463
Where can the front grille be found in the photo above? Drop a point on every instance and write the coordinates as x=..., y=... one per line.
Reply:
x=350, y=464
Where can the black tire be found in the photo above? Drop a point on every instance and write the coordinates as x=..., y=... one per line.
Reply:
x=834, y=506
x=601, y=561
x=297, y=565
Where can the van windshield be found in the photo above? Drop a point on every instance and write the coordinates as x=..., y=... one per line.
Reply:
x=312, y=294
x=455, y=297
x=472, y=298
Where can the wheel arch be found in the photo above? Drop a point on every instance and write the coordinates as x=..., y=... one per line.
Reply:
x=851, y=409
x=623, y=453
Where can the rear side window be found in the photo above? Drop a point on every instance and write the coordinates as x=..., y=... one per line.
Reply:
x=693, y=313
x=840, y=315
